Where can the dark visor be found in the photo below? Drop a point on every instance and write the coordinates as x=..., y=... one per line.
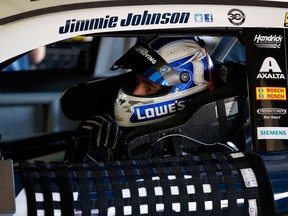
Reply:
x=144, y=60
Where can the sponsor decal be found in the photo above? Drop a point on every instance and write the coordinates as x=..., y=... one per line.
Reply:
x=108, y=22
x=286, y=20
x=271, y=41
x=272, y=133
x=236, y=16
x=271, y=111
x=270, y=93
x=270, y=70
x=155, y=111
x=272, y=117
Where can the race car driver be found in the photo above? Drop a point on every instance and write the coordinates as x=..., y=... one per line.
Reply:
x=167, y=72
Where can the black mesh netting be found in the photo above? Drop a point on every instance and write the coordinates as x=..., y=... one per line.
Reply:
x=199, y=184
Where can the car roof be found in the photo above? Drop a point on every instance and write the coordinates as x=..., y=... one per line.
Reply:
x=28, y=25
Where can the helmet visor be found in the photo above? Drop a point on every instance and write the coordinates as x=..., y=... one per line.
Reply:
x=146, y=61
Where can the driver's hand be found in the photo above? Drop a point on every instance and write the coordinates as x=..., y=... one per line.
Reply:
x=99, y=136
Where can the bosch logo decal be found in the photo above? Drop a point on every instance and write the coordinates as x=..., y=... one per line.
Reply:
x=270, y=93
x=236, y=17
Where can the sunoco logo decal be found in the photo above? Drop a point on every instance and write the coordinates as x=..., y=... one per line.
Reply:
x=236, y=17
x=272, y=41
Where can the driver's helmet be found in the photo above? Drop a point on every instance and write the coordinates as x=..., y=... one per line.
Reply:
x=181, y=66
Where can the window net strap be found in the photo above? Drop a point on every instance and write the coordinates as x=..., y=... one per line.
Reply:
x=203, y=183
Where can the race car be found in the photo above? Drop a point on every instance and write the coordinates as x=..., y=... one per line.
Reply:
x=225, y=153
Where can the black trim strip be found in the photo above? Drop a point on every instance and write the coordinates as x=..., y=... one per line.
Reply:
x=79, y=6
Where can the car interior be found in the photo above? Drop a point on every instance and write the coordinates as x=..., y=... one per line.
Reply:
x=52, y=97
x=41, y=108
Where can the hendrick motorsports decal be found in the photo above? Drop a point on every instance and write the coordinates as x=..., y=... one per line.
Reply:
x=271, y=41
x=272, y=133
x=270, y=93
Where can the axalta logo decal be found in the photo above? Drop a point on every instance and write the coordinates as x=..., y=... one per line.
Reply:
x=236, y=16
x=272, y=133
x=270, y=93
x=155, y=111
x=271, y=41
x=108, y=22
x=270, y=70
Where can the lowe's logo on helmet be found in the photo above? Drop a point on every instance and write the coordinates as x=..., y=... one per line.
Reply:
x=156, y=111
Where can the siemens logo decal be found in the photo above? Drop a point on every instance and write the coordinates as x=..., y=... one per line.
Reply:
x=272, y=133
x=155, y=111
x=146, y=18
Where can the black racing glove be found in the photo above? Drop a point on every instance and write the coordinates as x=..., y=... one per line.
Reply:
x=97, y=139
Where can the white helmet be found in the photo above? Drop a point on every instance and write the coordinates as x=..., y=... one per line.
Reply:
x=182, y=67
